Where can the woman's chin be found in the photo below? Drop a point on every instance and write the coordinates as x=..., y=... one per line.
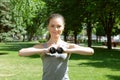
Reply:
x=56, y=36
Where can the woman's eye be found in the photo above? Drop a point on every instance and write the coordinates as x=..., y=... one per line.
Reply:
x=58, y=26
x=52, y=26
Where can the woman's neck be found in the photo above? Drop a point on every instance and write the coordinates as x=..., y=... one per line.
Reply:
x=55, y=41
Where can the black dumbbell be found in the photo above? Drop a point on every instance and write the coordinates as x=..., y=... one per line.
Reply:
x=52, y=50
x=60, y=50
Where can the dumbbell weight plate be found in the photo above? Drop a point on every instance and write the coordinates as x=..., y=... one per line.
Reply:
x=60, y=50
x=52, y=50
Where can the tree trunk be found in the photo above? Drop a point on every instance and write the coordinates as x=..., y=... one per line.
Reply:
x=109, y=46
x=30, y=36
x=75, y=37
x=65, y=36
x=89, y=30
x=24, y=38
x=110, y=24
x=97, y=39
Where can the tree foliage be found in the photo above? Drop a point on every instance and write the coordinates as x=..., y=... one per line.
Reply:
x=21, y=18
x=29, y=14
x=28, y=17
x=108, y=11
x=7, y=27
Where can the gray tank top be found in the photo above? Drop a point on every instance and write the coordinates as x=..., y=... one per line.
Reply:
x=55, y=66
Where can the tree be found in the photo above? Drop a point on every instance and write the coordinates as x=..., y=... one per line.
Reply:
x=108, y=11
x=7, y=26
x=29, y=14
x=89, y=7
x=99, y=31
x=116, y=28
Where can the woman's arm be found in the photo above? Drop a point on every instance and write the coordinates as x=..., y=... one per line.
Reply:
x=37, y=49
x=73, y=48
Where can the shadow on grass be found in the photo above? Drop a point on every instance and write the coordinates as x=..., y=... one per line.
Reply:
x=112, y=77
x=99, y=53
x=15, y=46
x=103, y=58
x=3, y=53
x=34, y=56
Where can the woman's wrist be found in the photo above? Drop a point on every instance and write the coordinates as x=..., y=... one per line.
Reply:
x=45, y=50
x=66, y=50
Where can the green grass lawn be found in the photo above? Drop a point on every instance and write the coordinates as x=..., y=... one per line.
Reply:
x=103, y=65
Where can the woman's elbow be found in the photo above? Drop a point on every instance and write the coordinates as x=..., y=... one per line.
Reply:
x=91, y=51
x=20, y=53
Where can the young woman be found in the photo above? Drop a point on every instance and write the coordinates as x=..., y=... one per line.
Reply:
x=55, y=52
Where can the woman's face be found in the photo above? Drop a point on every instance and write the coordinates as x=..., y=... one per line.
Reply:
x=56, y=27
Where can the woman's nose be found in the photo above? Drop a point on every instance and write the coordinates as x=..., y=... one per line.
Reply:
x=56, y=28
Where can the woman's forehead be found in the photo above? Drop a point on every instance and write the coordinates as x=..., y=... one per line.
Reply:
x=56, y=21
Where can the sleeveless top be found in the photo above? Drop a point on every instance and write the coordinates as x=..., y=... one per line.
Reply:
x=55, y=66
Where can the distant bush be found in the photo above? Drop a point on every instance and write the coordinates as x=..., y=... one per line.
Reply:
x=42, y=41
